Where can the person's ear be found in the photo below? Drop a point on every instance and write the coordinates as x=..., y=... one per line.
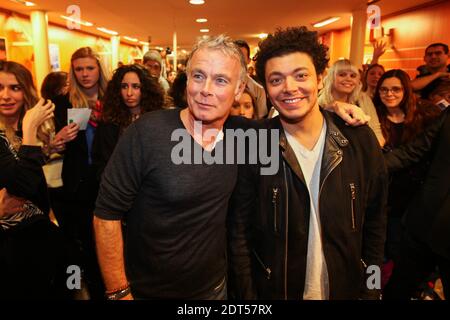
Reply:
x=319, y=81
x=239, y=90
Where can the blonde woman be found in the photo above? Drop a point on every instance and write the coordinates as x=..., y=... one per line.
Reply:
x=343, y=84
x=88, y=80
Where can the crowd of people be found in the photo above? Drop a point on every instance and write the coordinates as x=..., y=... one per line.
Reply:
x=345, y=196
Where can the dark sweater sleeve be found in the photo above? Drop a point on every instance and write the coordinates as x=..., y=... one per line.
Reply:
x=414, y=151
x=122, y=177
x=242, y=208
x=22, y=176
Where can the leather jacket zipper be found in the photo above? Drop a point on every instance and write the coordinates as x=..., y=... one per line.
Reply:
x=266, y=269
x=275, y=193
x=335, y=163
x=353, y=194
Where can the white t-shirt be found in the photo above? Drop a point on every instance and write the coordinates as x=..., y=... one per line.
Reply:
x=316, y=278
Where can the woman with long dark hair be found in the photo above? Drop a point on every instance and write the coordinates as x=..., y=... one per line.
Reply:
x=402, y=117
x=130, y=93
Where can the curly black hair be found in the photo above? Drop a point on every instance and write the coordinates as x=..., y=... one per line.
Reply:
x=114, y=109
x=291, y=40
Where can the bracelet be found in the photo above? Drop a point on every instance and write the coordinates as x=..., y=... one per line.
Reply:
x=118, y=289
x=118, y=294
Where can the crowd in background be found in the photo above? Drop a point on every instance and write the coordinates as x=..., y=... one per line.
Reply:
x=37, y=131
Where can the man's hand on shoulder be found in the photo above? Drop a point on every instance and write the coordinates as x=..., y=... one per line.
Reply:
x=353, y=115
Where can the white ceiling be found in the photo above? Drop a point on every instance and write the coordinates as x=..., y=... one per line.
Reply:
x=241, y=19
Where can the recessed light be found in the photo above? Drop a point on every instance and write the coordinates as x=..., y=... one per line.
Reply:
x=262, y=35
x=204, y=30
x=201, y=20
x=25, y=3
x=111, y=32
x=325, y=22
x=130, y=39
x=83, y=23
x=196, y=1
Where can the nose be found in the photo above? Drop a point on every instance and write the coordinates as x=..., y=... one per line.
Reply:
x=206, y=89
x=290, y=85
x=129, y=91
x=242, y=110
x=4, y=93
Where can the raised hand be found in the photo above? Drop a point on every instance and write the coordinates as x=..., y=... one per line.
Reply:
x=34, y=118
x=379, y=48
x=66, y=134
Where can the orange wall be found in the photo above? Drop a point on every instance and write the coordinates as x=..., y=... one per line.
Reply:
x=412, y=33
x=67, y=40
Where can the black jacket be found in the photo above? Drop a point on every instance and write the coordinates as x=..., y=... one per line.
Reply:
x=269, y=236
x=76, y=172
x=23, y=176
x=106, y=137
x=428, y=216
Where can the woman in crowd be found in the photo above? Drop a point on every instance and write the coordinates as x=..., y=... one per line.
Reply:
x=402, y=117
x=371, y=77
x=130, y=93
x=33, y=259
x=178, y=90
x=245, y=107
x=55, y=84
x=88, y=80
x=342, y=83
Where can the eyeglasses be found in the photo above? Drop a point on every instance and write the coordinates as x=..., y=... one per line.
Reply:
x=394, y=90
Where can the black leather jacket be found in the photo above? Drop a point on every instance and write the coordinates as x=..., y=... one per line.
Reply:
x=270, y=218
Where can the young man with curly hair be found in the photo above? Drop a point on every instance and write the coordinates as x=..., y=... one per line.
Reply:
x=313, y=228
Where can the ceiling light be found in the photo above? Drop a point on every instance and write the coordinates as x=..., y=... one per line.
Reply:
x=144, y=43
x=201, y=20
x=111, y=32
x=130, y=39
x=262, y=35
x=325, y=22
x=83, y=23
x=204, y=30
x=25, y=3
x=196, y=1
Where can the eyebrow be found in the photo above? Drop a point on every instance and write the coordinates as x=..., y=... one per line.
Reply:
x=222, y=75
x=219, y=75
x=294, y=71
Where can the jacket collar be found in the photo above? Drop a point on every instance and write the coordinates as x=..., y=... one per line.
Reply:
x=332, y=154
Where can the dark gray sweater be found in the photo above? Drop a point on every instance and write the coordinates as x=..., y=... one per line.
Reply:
x=176, y=214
